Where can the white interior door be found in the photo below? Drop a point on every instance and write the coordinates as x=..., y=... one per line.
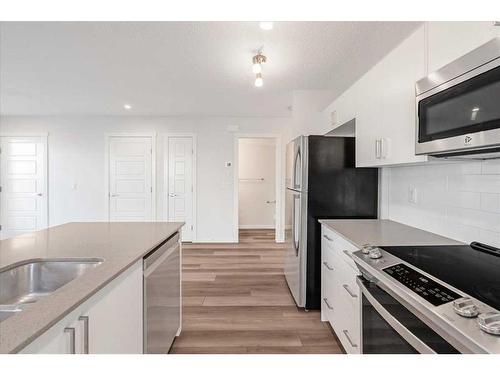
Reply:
x=23, y=168
x=130, y=178
x=180, y=183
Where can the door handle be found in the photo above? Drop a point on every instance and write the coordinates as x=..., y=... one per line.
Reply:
x=270, y=202
x=114, y=195
x=327, y=303
x=173, y=195
x=328, y=266
x=39, y=194
x=347, y=253
x=346, y=334
x=72, y=343
x=85, y=320
x=346, y=287
x=327, y=238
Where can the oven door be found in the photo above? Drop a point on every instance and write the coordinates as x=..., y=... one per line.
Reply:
x=389, y=328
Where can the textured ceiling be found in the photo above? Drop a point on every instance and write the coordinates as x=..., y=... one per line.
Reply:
x=181, y=68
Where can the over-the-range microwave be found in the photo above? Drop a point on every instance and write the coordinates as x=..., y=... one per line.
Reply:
x=458, y=107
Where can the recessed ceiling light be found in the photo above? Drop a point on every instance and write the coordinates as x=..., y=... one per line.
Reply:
x=128, y=107
x=266, y=25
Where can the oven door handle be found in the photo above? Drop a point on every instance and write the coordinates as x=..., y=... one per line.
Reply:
x=409, y=337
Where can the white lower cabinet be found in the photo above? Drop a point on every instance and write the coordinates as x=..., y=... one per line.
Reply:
x=339, y=291
x=110, y=322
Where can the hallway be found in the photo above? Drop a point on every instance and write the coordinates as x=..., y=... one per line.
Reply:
x=236, y=301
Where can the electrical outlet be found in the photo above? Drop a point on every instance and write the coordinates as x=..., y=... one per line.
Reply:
x=412, y=195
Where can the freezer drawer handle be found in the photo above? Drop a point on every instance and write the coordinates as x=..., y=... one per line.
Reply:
x=328, y=238
x=346, y=287
x=328, y=266
x=346, y=334
x=327, y=303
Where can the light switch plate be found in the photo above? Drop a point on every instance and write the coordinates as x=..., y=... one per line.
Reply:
x=412, y=195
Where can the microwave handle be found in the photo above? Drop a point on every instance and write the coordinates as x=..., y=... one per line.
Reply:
x=409, y=337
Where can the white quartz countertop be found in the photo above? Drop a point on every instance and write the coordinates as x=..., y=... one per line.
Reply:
x=119, y=244
x=384, y=233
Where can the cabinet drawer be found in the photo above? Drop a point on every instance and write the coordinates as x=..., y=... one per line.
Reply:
x=339, y=245
x=347, y=323
x=329, y=298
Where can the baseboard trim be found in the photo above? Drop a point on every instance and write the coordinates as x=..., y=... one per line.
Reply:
x=256, y=227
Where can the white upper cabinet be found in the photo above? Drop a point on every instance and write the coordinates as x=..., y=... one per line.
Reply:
x=383, y=100
x=385, y=118
x=448, y=41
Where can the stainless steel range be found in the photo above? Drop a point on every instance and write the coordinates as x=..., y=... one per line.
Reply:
x=430, y=299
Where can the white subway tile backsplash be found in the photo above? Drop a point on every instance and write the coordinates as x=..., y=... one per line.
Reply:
x=491, y=167
x=490, y=202
x=489, y=237
x=460, y=200
x=480, y=183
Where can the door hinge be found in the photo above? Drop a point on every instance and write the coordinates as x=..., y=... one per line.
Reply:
x=151, y=189
x=191, y=227
x=0, y=227
x=0, y=189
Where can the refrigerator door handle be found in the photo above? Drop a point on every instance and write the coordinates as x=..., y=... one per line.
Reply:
x=297, y=158
x=296, y=245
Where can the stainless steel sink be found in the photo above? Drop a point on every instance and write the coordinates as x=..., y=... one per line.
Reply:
x=28, y=281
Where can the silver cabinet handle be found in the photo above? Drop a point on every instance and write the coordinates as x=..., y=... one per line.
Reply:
x=72, y=343
x=39, y=194
x=346, y=287
x=346, y=334
x=347, y=253
x=328, y=238
x=269, y=202
x=85, y=320
x=114, y=195
x=327, y=304
x=328, y=266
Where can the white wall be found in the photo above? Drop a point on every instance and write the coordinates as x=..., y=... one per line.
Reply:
x=76, y=156
x=257, y=160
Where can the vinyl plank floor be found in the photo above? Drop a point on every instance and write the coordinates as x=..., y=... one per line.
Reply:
x=236, y=301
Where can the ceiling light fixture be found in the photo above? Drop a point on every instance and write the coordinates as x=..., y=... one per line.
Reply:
x=259, y=81
x=266, y=25
x=257, y=62
x=128, y=107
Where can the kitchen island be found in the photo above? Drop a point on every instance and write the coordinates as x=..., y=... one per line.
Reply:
x=117, y=250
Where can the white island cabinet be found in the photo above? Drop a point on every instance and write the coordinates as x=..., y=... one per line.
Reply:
x=340, y=296
x=109, y=322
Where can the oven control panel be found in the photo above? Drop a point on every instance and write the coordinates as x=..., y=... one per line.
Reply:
x=426, y=288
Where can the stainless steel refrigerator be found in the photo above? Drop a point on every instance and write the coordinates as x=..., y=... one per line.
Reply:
x=321, y=183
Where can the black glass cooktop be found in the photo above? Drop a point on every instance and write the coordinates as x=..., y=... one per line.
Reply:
x=473, y=269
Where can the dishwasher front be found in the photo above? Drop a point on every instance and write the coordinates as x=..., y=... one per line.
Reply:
x=162, y=296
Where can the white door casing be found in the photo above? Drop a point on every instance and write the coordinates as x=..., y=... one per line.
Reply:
x=23, y=180
x=180, y=182
x=131, y=179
